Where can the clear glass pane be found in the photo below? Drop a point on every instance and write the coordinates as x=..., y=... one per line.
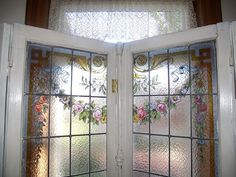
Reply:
x=179, y=70
x=98, y=115
x=141, y=152
x=81, y=73
x=160, y=155
x=99, y=75
x=38, y=69
x=141, y=114
x=203, y=68
x=140, y=174
x=98, y=174
x=204, y=116
x=37, y=116
x=60, y=115
x=79, y=155
x=158, y=73
x=59, y=157
x=61, y=71
x=141, y=74
x=35, y=157
x=205, y=158
x=98, y=153
x=80, y=115
x=180, y=115
x=180, y=157
x=159, y=115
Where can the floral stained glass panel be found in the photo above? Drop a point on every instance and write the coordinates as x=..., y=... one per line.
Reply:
x=65, y=113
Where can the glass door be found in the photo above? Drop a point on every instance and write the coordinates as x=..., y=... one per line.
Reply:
x=59, y=111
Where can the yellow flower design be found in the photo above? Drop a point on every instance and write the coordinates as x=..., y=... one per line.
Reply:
x=135, y=118
x=104, y=119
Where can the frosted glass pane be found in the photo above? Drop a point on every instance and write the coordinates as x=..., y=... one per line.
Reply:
x=98, y=152
x=80, y=115
x=203, y=64
x=180, y=115
x=61, y=71
x=204, y=116
x=81, y=73
x=38, y=69
x=59, y=157
x=140, y=114
x=205, y=158
x=98, y=115
x=60, y=115
x=35, y=157
x=180, y=157
x=98, y=174
x=79, y=154
x=159, y=115
x=140, y=174
x=160, y=155
x=179, y=70
x=141, y=152
x=37, y=116
x=140, y=74
x=158, y=72
x=99, y=75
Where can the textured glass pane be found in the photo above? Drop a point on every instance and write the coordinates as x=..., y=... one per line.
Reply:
x=38, y=115
x=140, y=74
x=99, y=75
x=98, y=115
x=160, y=155
x=179, y=70
x=98, y=153
x=204, y=116
x=155, y=176
x=87, y=175
x=60, y=115
x=159, y=115
x=204, y=158
x=35, y=157
x=180, y=157
x=38, y=69
x=141, y=152
x=140, y=114
x=140, y=174
x=61, y=71
x=98, y=174
x=80, y=115
x=158, y=72
x=180, y=115
x=203, y=68
x=81, y=73
x=59, y=157
x=79, y=154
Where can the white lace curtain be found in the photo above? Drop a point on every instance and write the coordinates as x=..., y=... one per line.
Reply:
x=121, y=20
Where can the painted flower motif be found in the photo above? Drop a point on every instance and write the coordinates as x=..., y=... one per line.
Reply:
x=97, y=114
x=78, y=108
x=198, y=99
x=199, y=118
x=141, y=113
x=42, y=100
x=41, y=118
x=153, y=106
x=135, y=118
x=202, y=107
x=104, y=119
x=161, y=107
x=175, y=99
x=38, y=108
x=65, y=100
x=86, y=106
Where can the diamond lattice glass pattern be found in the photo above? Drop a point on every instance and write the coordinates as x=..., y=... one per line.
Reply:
x=175, y=111
x=65, y=113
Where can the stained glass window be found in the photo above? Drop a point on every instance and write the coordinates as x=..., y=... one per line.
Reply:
x=175, y=112
x=65, y=113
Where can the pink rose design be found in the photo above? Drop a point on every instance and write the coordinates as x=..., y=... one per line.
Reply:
x=78, y=108
x=97, y=114
x=141, y=113
x=198, y=99
x=38, y=108
x=202, y=107
x=161, y=107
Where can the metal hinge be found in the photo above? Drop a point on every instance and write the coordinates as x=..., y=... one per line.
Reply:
x=114, y=86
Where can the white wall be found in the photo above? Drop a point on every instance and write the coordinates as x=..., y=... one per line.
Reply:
x=12, y=11
x=228, y=10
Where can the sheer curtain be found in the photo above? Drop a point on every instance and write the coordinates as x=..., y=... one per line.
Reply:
x=121, y=20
